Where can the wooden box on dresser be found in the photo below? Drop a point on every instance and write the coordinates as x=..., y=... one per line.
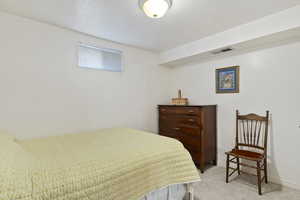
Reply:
x=195, y=127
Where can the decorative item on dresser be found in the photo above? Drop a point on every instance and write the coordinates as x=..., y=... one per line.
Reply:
x=180, y=101
x=195, y=127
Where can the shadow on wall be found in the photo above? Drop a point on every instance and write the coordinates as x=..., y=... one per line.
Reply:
x=273, y=172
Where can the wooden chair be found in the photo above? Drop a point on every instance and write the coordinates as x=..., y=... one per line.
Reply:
x=250, y=144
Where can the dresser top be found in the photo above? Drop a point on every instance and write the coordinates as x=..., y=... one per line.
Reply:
x=186, y=106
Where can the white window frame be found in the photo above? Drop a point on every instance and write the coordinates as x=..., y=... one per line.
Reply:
x=85, y=45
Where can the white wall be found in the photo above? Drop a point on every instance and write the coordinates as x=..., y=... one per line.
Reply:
x=269, y=81
x=43, y=92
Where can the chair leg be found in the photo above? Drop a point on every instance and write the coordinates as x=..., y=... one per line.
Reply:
x=227, y=168
x=259, y=177
x=266, y=170
x=238, y=165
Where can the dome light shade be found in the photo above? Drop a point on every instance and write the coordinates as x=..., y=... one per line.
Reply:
x=155, y=8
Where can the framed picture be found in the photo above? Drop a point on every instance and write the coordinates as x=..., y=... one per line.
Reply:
x=228, y=80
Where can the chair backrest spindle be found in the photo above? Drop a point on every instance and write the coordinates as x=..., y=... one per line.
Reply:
x=252, y=131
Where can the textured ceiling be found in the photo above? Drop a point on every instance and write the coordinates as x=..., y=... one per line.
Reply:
x=122, y=20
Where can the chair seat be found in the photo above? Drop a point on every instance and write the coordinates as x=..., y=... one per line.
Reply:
x=249, y=155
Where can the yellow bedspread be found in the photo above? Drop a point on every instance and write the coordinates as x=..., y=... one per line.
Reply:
x=110, y=164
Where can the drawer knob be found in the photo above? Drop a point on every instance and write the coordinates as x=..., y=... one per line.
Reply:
x=191, y=111
x=176, y=129
x=191, y=120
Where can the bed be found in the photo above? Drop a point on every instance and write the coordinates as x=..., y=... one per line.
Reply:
x=108, y=164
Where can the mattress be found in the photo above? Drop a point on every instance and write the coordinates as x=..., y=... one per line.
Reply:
x=109, y=164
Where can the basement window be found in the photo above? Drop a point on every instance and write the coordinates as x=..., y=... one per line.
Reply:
x=99, y=58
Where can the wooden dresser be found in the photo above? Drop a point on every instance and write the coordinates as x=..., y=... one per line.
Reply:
x=195, y=127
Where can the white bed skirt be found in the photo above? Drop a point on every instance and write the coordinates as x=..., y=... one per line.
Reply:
x=173, y=192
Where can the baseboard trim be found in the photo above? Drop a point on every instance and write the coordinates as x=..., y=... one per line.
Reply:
x=276, y=180
x=285, y=183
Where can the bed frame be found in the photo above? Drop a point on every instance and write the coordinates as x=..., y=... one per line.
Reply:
x=189, y=192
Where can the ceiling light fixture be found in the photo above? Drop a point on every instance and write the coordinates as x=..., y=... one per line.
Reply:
x=155, y=8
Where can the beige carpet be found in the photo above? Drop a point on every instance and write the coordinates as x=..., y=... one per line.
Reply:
x=213, y=187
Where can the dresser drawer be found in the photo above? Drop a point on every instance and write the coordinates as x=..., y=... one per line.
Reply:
x=193, y=131
x=170, y=131
x=196, y=156
x=190, y=120
x=180, y=110
x=170, y=134
x=180, y=119
x=168, y=124
x=181, y=128
x=191, y=143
